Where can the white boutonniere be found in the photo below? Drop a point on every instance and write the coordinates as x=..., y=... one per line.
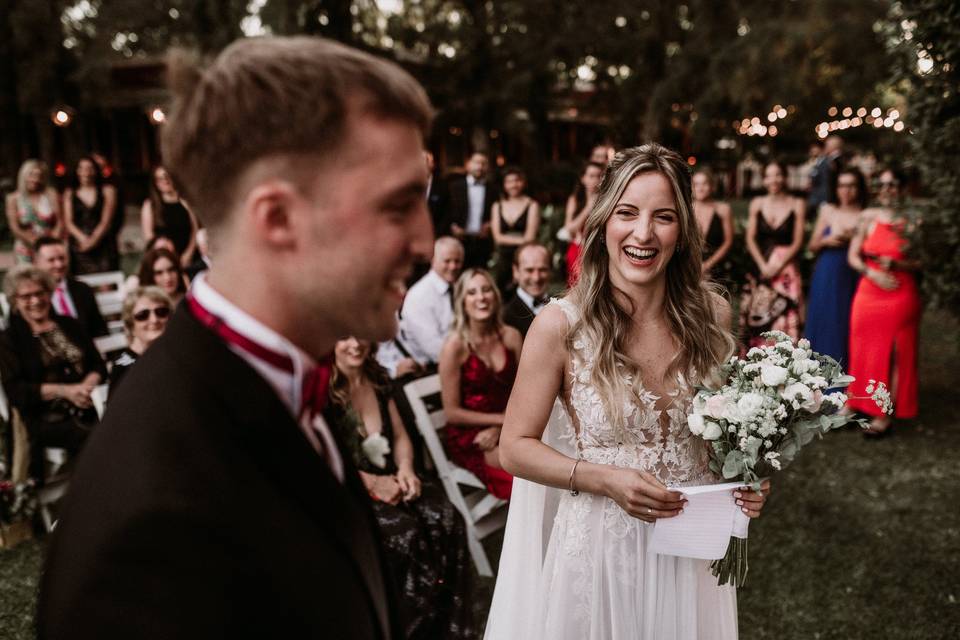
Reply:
x=375, y=447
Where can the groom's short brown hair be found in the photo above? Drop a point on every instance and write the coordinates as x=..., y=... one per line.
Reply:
x=273, y=97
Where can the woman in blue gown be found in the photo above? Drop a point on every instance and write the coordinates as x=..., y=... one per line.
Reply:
x=834, y=281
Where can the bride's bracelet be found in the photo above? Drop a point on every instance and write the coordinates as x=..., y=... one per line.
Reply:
x=573, y=471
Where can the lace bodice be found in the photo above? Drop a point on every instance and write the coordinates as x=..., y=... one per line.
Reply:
x=652, y=440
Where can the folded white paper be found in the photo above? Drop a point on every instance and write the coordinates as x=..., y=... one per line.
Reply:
x=703, y=530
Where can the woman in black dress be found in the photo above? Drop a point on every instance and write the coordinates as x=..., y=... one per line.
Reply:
x=145, y=314
x=715, y=220
x=50, y=367
x=165, y=214
x=516, y=220
x=423, y=534
x=89, y=208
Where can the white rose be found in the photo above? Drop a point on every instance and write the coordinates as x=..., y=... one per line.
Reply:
x=772, y=375
x=798, y=393
x=712, y=431
x=695, y=422
x=375, y=447
x=750, y=403
x=803, y=343
x=799, y=354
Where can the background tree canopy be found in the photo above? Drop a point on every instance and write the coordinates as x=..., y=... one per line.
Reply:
x=685, y=73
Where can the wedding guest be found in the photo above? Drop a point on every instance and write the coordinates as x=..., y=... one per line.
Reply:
x=516, y=220
x=161, y=268
x=885, y=316
x=624, y=352
x=531, y=270
x=49, y=367
x=834, y=280
x=145, y=314
x=601, y=154
x=201, y=260
x=469, y=205
x=71, y=298
x=436, y=193
x=423, y=534
x=477, y=367
x=213, y=500
x=89, y=208
x=164, y=213
x=772, y=297
x=427, y=312
x=33, y=210
x=715, y=220
x=578, y=208
x=823, y=177
x=156, y=242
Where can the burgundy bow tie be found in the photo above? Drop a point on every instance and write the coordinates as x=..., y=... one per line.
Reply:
x=316, y=382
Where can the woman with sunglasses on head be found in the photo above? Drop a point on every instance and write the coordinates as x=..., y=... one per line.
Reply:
x=161, y=268
x=834, y=281
x=33, y=210
x=145, y=314
x=885, y=316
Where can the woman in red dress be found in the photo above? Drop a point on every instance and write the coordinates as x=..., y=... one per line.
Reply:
x=578, y=206
x=478, y=364
x=885, y=317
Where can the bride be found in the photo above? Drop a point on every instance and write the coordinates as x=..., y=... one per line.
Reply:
x=621, y=352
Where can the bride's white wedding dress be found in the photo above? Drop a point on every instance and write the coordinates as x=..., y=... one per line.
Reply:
x=584, y=573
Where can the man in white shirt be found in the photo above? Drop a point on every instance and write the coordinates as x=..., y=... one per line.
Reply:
x=214, y=500
x=470, y=201
x=531, y=270
x=427, y=313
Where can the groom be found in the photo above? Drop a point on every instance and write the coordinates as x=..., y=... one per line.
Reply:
x=213, y=501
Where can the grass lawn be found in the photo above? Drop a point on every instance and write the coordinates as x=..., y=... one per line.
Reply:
x=860, y=539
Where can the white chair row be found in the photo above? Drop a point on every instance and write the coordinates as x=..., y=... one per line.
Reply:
x=483, y=512
x=108, y=288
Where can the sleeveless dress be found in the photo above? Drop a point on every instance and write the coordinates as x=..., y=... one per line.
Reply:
x=772, y=304
x=486, y=390
x=597, y=581
x=828, y=305
x=884, y=327
x=40, y=220
x=425, y=545
x=174, y=223
x=714, y=236
x=505, y=253
x=104, y=256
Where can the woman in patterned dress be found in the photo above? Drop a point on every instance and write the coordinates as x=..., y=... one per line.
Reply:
x=33, y=210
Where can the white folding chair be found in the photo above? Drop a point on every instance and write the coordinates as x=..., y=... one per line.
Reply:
x=108, y=288
x=483, y=512
x=4, y=312
x=109, y=344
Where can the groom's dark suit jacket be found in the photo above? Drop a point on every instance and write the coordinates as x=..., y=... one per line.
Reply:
x=199, y=510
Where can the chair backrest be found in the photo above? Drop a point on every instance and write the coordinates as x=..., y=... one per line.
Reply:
x=108, y=288
x=4, y=312
x=109, y=345
x=421, y=394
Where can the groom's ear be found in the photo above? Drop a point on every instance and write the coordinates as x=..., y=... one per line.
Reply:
x=277, y=212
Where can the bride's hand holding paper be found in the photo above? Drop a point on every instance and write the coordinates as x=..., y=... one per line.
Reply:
x=641, y=495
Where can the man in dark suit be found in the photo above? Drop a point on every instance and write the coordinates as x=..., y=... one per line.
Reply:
x=531, y=271
x=470, y=201
x=213, y=501
x=71, y=297
x=823, y=177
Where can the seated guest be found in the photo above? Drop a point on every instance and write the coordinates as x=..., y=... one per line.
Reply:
x=145, y=314
x=423, y=534
x=427, y=311
x=201, y=261
x=531, y=270
x=50, y=366
x=161, y=268
x=71, y=297
x=477, y=367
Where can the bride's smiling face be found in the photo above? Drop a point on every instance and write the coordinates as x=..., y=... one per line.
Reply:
x=642, y=232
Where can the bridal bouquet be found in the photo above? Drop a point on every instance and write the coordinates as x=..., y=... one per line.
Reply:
x=772, y=403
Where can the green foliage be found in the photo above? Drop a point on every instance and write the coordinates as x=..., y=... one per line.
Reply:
x=929, y=30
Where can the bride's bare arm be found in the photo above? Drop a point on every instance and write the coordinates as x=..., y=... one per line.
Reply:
x=539, y=381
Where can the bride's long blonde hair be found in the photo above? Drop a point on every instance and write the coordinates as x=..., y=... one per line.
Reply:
x=689, y=306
